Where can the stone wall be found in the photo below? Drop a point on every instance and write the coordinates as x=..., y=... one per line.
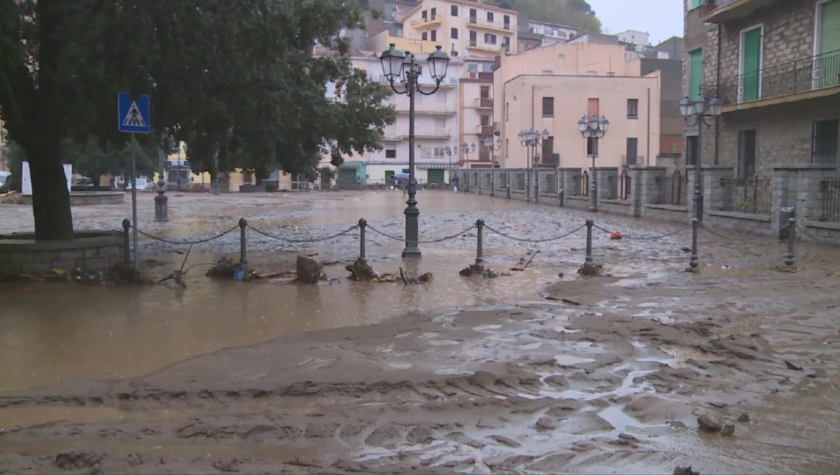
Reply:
x=88, y=251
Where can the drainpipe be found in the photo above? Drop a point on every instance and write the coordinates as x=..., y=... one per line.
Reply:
x=717, y=91
x=647, y=157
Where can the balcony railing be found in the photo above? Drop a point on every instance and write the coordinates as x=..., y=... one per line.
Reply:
x=752, y=196
x=434, y=109
x=485, y=130
x=434, y=132
x=475, y=21
x=485, y=47
x=484, y=103
x=434, y=19
x=797, y=77
x=726, y=10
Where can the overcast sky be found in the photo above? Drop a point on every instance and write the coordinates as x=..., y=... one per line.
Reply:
x=661, y=18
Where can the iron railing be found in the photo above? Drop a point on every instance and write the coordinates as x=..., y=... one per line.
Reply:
x=584, y=183
x=625, y=182
x=673, y=189
x=550, y=183
x=519, y=183
x=753, y=195
x=796, y=77
x=830, y=200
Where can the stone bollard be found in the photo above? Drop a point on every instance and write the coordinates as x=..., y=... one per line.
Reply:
x=126, y=224
x=789, y=261
x=694, y=262
x=243, y=257
x=588, y=264
x=362, y=226
x=479, y=252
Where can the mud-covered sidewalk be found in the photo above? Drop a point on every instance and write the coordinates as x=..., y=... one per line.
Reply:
x=612, y=379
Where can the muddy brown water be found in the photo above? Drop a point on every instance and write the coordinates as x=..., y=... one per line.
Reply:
x=422, y=353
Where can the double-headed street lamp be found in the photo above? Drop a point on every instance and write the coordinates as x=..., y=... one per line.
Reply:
x=593, y=130
x=468, y=149
x=694, y=113
x=400, y=67
x=531, y=139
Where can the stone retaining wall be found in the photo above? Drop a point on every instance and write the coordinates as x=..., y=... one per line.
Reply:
x=89, y=198
x=88, y=251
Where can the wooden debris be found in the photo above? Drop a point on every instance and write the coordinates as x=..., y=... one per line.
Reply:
x=525, y=260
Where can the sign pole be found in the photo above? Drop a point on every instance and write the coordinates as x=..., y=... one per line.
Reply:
x=134, y=196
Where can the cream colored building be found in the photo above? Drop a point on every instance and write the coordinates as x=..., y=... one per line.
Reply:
x=464, y=28
x=551, y=87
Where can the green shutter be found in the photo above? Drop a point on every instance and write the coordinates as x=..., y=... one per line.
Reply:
x=829, y=61
x=695, y=71
x=694, y=4
x=751, y=64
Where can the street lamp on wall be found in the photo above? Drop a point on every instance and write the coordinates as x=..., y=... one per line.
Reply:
x=593, y=130
x=488, y=142
x=400, y=67
x=694, y=114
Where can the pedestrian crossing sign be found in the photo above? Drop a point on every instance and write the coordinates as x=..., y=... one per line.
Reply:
x=133, y=113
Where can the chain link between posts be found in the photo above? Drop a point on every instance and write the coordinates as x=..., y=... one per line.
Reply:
x=644, y=238
x=306, y=240
x=556, y=238
x=430, y=241
x=186, y=243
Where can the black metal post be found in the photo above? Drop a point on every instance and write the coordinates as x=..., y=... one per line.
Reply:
x=479, y=252
x=126, y=224
x=698, y=191
x=362, y=226
x=789, y=261
x=695, y=225
x=590, y=223
x=412, y=214
x=161, y=209
x=507, y=179
x=243, y=257
x=593, y=186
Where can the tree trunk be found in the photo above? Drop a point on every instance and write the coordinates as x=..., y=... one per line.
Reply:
x=50, y=199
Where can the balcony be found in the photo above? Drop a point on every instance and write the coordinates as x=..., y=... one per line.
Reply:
x=431, y=133
x=484, y=47
x=484, y=130
x=474, y=22
x=722, y=11
x=484, y=103
x=808, y=78
x=428, y=109
x=435, y=20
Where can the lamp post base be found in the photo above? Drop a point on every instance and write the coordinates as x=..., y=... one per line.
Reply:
x=161, y=211
x=412, y=252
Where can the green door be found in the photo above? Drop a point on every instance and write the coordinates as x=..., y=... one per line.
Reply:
x=389, y=177
x=695, y=68
x=751, y=64
x=436, y=176
x=829, y=59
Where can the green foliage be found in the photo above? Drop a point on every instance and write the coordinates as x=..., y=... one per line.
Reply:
x=577, y=13
x=233, y=78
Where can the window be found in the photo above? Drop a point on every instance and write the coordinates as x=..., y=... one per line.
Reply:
x=695, y=71
x=692, y=150
x=453, y=10
x=824, y=141
x=592, y=147
x=453, y=33
x=424, y=36
x=390, y=153
x=506, y=41
x=485, y=92
x=694, y=4
x=485, y=120
x=440, y=122
x=548, y=107
x=424, y=14
x=507, y=22
x=473, y=15
x=489, y=39
x=507, y=111
x=548, y=151
x=750, y=63
x=439, y=152
x=473, y=39
x=632, y=108
x=746, y=153
x=434, y=13
x=434, y=35
x=489, y=17
x=593, y=107
x=632, y=150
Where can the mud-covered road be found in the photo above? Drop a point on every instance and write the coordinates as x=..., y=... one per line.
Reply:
x=530, y=373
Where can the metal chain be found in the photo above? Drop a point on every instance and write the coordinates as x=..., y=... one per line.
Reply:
x=395, y=238
x=184, y=243
x=643, y=238
x=307, y=240
x=534, y=240
x=447, y=238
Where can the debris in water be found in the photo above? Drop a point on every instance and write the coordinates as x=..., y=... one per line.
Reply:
x=224, y=268
x=478, y=271
x=744, y=417
x=525, y=260
x=615, y=235
x=592, y=271
x=794, y=365
x=309, y=270
x=785, y=269
x=361, y=271
x=178, y=275
x=685, y=471
x=728, y=430
x=423, y=279
x=709, y=423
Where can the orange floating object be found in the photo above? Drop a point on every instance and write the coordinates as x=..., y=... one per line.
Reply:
x=615, y=235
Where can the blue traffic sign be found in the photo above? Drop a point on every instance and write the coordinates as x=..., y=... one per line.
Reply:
x=133, y=113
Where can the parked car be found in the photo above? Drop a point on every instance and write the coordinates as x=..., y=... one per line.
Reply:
x=5, y=181
x=143, y=183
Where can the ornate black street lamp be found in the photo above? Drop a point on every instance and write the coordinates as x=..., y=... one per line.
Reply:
x=402, y=68
x=694, y=113
x=593, y=130
x=488, y=142
x=531, y=139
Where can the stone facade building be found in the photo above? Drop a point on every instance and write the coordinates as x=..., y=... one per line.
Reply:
x=776, y=66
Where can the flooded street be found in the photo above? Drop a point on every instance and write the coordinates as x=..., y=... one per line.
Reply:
x=538, y=371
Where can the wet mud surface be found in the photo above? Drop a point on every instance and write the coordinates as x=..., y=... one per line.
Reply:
x=531, y=373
